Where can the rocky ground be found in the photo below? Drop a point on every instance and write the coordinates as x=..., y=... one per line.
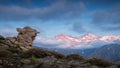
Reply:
x=17, y=52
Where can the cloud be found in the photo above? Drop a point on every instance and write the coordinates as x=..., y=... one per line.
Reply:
x=58, y=10
x=55, y=43
x=78, y=27
x=8, y=32
x=107, y=19
x=47, y=43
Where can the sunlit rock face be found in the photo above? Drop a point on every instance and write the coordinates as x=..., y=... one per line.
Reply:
x=26, y=36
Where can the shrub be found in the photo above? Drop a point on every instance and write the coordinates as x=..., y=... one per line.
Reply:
x=2, y=38
x=33, y=60
x=40, y=65
x=36, y=52
x=118, y=66
x=6, y=58
x=73, y=66
x=40, y=53
x=14, y=50
x=5, y=53
x=3, y=42
x=56, y=55
x=99, y=62
x=75, y=57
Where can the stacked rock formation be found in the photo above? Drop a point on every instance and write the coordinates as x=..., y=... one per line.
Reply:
x=24, y=38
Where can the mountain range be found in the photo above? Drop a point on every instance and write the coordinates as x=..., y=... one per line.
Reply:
x=83, y=52
x=86, y=41
x=88, y=45
x=109, y=52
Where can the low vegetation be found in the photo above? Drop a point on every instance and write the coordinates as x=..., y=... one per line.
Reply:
x=75, y=57
x=15, y=57
x=99, y=62
x=41, y=53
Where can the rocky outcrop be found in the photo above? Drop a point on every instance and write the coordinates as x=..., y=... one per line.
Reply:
x=24, y=39
x=26, y=36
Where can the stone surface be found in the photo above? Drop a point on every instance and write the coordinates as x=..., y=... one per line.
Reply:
x=113, y=66
x=26, y=61
x=24, y=38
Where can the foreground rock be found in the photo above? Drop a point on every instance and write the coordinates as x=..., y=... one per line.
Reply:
x=24, y=38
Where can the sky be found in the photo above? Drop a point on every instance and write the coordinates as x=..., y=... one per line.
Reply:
x=53, y=17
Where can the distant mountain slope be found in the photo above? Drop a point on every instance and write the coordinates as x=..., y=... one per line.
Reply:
x=86, y=39
x=109, y=52
x=83, y=52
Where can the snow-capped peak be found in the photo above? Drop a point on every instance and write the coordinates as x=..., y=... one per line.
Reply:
x=86, y=39
x=89, y=37
x=108, y=38
x=62, y=37
x=83, y=40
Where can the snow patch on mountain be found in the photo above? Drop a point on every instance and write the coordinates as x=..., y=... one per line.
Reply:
x=85, y=41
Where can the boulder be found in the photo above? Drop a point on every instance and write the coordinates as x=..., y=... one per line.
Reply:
x=26, y=61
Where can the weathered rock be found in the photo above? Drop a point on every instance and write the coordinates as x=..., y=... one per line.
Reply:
x=113, y=66
x=4, y=44
x=0, y=62
x=11, y=39
x=26, y=61
x=49, y=59
x=93, y=67
x=26, y=36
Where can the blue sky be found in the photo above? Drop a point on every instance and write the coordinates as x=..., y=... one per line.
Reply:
x=53, y=17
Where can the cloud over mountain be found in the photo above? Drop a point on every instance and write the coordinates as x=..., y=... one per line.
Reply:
x=85, y=41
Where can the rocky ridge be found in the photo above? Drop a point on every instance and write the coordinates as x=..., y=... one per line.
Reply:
x=24, y=39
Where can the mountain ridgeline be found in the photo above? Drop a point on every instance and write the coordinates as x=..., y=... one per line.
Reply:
x=109, y=52
x=18, y=52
